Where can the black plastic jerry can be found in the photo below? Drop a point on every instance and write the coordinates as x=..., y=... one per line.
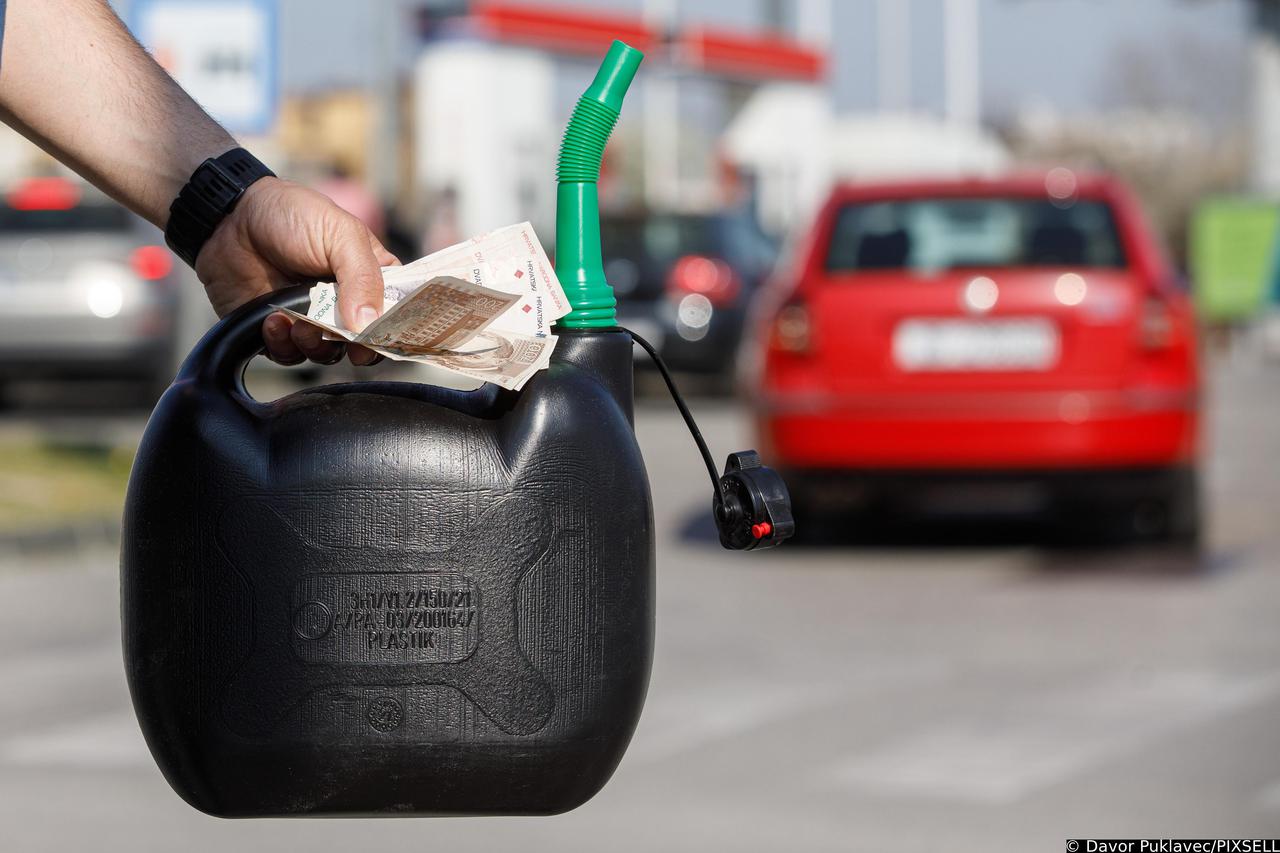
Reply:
x=387, y=598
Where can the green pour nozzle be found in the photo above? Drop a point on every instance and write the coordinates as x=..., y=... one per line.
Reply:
x=578, y=264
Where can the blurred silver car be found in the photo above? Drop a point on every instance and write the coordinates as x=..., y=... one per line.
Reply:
x=87, y=289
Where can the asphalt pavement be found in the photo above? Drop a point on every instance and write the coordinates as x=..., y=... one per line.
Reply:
x=978, y=693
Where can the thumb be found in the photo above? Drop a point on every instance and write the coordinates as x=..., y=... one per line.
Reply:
x=359, y=277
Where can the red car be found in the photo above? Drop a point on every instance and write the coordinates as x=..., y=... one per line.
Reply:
x=963, y=346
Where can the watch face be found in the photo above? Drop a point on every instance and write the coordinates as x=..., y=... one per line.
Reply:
x=216, y=185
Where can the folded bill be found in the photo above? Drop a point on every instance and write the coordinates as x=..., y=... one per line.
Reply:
x=509, y=259
x=508, y=359
x=440, y=314
x=482, y=309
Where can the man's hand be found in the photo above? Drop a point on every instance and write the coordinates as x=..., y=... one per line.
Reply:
x=281, y=233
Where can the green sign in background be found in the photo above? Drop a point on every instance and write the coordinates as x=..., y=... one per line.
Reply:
x=1232, y=256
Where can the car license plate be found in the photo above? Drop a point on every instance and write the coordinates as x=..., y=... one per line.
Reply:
x=1015, y=344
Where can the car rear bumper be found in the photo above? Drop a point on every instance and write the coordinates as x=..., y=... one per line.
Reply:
x=142, y=360
x=973, y=492
x=1035, y=430
x=70, y=344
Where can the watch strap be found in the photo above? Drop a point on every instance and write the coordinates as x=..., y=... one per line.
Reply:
x=212, y=192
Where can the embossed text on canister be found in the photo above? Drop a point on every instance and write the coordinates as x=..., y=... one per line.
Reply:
x=386, y=618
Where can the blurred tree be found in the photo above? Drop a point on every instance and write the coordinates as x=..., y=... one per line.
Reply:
x=1173, y=123
x=1185, y=73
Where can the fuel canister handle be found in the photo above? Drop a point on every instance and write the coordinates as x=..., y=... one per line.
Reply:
x=221, y=355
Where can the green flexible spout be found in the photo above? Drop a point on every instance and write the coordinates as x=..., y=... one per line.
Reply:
x=578, y=264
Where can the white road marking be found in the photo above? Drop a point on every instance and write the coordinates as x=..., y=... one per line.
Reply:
x=107, y=741
x=1025, y=747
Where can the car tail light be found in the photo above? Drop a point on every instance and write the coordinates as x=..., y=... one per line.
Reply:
x=709, y=277
x=792, y=329
x=1157, y=325
x=44, y=194
x=151, y=262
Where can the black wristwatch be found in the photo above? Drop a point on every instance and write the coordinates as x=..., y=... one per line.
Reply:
x=208, y=197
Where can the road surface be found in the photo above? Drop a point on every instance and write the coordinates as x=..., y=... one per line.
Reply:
x=974, y=696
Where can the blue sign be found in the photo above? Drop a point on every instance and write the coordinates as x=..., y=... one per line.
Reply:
x=223, y=52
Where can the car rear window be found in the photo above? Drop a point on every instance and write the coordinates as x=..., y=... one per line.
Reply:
x=947, y=233
x=660, y=240
x=79, y=219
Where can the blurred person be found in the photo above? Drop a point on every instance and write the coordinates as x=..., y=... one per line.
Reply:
x=354, y=197
x=74, y=81
x=442, y=223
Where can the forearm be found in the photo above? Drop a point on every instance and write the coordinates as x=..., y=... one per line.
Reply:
x=74, y=81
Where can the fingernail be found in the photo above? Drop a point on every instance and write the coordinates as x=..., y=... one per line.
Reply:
x=366, y=315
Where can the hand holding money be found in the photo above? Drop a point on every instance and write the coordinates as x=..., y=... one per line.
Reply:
x=482, y=309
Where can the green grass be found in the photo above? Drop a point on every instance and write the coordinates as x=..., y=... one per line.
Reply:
x=45, y=485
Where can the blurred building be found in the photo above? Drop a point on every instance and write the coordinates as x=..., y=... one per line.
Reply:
x=495, y=82
x=793, y=170
x=319, y=130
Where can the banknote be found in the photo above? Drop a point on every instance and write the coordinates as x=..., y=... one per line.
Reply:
x=482, y=309
x=440, y=314
x=508, y=359
x=510, y=259
x=396, y=285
